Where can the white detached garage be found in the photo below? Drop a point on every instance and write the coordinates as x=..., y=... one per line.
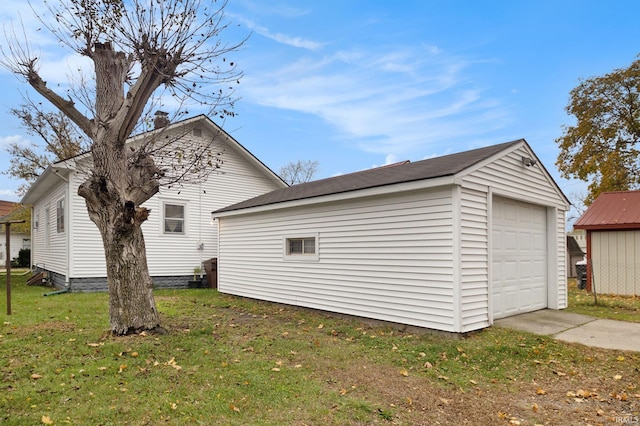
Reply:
x=449, y=243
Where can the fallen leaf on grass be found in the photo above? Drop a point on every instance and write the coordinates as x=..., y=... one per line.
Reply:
x=619, y=396
x=234, y=408
x=583, y=393
x=172, y=363
x=617, y=377
x=540, y=391
x=36, y=376
x=404, y=372
x=534, y=407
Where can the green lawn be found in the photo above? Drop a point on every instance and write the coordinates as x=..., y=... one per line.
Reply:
x=624, y=308
x=229, y=360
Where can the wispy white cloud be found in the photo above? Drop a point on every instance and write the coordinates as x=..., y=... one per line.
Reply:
x=394, y=101
x=280, y=37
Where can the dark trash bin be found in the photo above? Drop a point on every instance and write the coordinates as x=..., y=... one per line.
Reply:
x=211, y=269
x=581, y=274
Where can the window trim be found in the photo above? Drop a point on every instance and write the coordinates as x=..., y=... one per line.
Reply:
x=182, y=204
x=60, y=219
x=300, y=257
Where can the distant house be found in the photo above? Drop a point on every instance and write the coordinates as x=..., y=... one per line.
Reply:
x=178, y=234
x=450, y=243
x=574, y=255
x=18, y=240
x=612, y=224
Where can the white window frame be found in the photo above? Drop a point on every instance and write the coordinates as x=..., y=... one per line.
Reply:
x=60, y=219
x=300, y=257
x=164, y=217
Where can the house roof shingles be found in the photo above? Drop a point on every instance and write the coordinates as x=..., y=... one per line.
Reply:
x=447, y=165
x=612, y=210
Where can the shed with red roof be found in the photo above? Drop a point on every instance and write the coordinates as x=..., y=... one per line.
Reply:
x=612, y=223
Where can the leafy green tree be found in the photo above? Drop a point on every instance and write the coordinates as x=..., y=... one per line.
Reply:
x=601, y=147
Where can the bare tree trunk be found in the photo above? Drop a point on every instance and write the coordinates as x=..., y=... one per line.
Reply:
x=132, y=307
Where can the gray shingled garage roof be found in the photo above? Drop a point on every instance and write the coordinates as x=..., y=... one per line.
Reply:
x=447, y=165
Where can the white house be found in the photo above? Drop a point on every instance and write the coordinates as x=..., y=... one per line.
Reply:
x=67, y=244
x=450, y=243
x=17, y=240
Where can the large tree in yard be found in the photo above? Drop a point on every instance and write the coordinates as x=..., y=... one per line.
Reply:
x=602, y=146
x=140, y=50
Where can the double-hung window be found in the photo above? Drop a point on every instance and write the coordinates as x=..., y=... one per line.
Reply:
x=174, y=218
x=60, y=215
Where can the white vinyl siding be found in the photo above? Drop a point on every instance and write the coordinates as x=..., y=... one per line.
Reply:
x=414, y=256
x=615, y=257
x=173, y=254
x=389, y=258
x=474, y=260
x=49, y=247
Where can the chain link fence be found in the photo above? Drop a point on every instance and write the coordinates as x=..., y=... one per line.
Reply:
x=615, y=277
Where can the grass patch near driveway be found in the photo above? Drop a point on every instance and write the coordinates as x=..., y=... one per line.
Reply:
x=623, y=308
x=235, y=361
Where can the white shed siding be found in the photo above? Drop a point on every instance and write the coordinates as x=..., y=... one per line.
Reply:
x=558, y=294
x=509, y=178
x=50, y=251
x=171, y=255
x=615, y=257
x=474, y=259
x=388, y=258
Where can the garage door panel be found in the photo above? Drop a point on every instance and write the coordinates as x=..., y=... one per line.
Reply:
x=519, y=254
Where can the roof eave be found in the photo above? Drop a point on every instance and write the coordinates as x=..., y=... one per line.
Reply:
x=359, y=193
x=609, y=227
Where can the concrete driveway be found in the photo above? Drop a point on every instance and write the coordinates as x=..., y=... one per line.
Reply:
x=576, y=328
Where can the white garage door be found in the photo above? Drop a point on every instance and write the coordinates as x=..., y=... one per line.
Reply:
x=519, y=257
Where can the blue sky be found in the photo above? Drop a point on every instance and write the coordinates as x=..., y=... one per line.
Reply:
x=357, y=84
